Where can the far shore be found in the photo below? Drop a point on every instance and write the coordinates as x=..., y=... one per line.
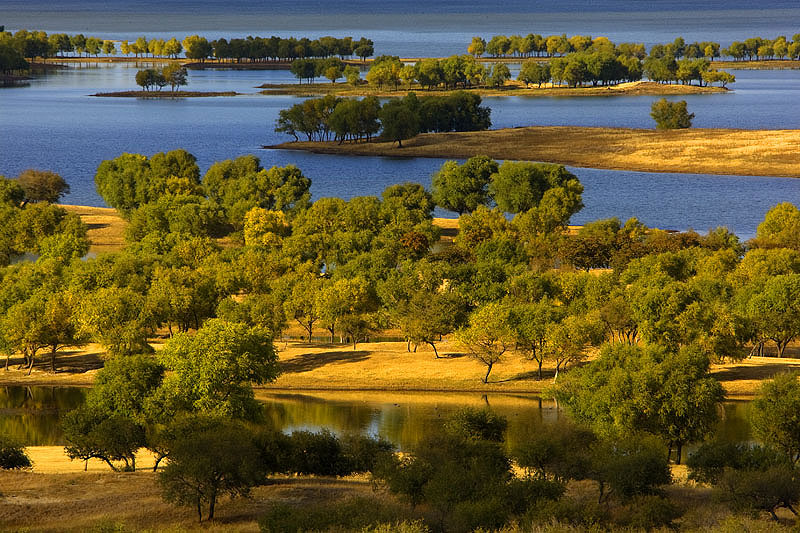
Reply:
x=718, y=63
x=511, y=88
x=687, y=151
x=165, y=94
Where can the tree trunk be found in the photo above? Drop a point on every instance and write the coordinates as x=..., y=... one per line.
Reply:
x=540, y=369
x=30, y=368
x=678, y=450
x=435, y=351
x=53, y=360
x=488, y=370
x=211, y=504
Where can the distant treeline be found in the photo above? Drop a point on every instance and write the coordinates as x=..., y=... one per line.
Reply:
x=560, y=45
x=31, y=44
x=342, y=119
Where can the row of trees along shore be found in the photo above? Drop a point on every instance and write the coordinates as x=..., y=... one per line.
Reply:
x=534, y=45
x=596, y=66
x=398, y=119
x=33, y=44
x=514, y=283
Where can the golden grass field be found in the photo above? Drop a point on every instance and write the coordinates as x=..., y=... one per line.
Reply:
x=694, y=150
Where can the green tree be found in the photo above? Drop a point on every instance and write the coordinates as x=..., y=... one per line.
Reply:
x=462, y=188
x=113, y=318
x=94, y=434
x=175, y=75
x=197, y=47
x=477, y=47
x=774, y=414
x=534, y=72
x=671, y=115
x=42, y=186
x=517, y=187
x=399, y=121
x=210, y=461
x=780, y=227
x=213, y=370
x=488, y=335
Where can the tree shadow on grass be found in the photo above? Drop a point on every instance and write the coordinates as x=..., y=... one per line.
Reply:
x=308, y=362
x=760, y=372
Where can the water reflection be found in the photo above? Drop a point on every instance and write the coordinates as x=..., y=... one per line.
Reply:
x=30, y=414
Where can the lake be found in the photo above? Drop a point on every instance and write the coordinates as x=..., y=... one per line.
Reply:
x=415, y=28
x=54, y=124
x=30, y=414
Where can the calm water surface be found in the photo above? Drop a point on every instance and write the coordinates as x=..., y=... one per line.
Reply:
x=413, y=28
x=54, y=124
x=31, y=414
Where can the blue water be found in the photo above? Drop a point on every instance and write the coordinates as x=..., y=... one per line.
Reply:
x=412, y=28
x=53, y=124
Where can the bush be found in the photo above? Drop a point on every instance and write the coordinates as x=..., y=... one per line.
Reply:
x=477, y=424
x=753, y=490
x=648, y=512
x=708, y=463
x=671, y=115
x=630, y=468
x=567, y=511
x=12, y=455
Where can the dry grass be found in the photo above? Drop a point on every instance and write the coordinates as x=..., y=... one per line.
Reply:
x=707, y=151
x=80, y=501
x=388, y=367
x=106, y=227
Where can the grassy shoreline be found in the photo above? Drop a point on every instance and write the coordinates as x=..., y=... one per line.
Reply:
x=386, y=367
x=688, y=151
x=511, y=88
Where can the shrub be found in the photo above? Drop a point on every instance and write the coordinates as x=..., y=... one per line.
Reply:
x=648, y=512
x=708, y=463
x=754, y=490
x=477, y=424
x=671, y=115
x=12, y=455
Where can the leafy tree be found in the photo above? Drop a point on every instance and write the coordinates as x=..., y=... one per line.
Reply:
x=530, y=323
x=671, y=115
x=500, y=75
x=488, y=335
x=113, y=318
x=240, y=184
x=11, y=192
x=477, y=424
x=42, y=186
x=399, y=121
x=477, y=47
x=209, y=462
x=774, y=414
x=93, y=434
x=150, y=78
x=213, y=369
x=780, y=227
x=517, y=187
x=131, y=180
x=428, y=316
x=462, y=188
x=175, y=75
x=760, y=490
x=631, y=389
x=534, y=72
x=197, y=47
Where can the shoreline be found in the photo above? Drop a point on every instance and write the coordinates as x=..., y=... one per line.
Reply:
x=766, y=153
x=162, y=94
x=512, y=88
